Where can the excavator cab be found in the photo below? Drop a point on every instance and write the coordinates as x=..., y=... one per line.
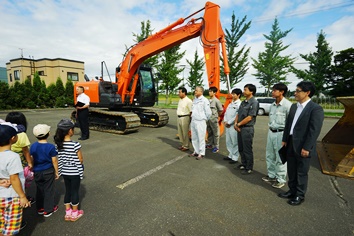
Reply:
x=146, y=94
x=336, y=150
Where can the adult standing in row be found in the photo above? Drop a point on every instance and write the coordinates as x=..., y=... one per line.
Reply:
x=82, y=112
x=200, y=114
x=279, y=111
x=184, y=110
x=229, y=120
x=302, y=129
x=244, y=125
x=213, y=122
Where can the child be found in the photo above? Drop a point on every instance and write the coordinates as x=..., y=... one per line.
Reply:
x=45, y=168
x=12, y=198
x=21, y=147
x=70, y=167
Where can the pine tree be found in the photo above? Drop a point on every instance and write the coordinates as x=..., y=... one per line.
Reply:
x=238, y=59
x=271, y=67
x=196, y=71
x=342, y=82
x=320, y=64
x=146, y=31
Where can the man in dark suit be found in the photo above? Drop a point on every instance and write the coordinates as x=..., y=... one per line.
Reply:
x=301, y=131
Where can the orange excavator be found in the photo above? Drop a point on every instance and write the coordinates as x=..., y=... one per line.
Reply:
x=122, y=106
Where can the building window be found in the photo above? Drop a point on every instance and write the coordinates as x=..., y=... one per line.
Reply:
x=41, y=72
x=73, y=76
x=17, y=74
x=10, y=77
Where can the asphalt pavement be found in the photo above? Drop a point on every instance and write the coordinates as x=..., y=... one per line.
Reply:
x=141, y=184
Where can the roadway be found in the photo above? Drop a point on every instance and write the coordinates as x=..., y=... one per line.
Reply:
x=162, y=191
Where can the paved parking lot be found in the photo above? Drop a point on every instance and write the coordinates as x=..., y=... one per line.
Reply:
x=162, y=191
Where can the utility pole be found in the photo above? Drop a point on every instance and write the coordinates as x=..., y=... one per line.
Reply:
x=21, y=52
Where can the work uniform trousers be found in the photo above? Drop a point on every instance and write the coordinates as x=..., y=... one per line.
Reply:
x=231, y=143
x=213, y=132
x=276, y=169
x=298, y=168
x=183, y=130
x=82, y=116
x=45, y=189
x=198, y=128
x=245, y=146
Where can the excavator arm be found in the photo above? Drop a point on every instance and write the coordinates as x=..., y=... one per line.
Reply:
x=208, y=28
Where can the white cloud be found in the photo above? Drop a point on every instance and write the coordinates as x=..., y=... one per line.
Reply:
x=93, y=31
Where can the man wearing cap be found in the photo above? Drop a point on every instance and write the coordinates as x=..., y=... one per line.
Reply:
x=82, y=112
x=45, y=168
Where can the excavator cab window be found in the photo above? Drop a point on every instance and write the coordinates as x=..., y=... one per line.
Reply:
x=145, y=91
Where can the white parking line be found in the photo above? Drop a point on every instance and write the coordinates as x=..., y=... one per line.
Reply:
x=150, y=172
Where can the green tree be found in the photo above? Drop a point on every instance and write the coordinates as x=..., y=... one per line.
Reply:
x=195, y=77
x=145, y=32
x=168, y=70
x=271, y=67
x=4, y=95
x=319, y=64
x=238, y=59
x=69, y=93
x=51, y=95
x=342, y=82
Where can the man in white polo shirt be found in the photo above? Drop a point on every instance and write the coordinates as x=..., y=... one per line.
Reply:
x=82, y=112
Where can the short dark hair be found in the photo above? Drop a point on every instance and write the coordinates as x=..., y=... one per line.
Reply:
x=281, y=87
x=252, y=88
x=213, y=89
x=237, y=91
x=82, y=87
x=307, y=86
x=17, y=118
x=183, y=90
x=44, y=137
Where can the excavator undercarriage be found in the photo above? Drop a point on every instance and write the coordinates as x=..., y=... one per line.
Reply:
x=121, y=122
x=336, y=150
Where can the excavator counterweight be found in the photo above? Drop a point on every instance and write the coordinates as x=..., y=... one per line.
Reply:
x=336, y=150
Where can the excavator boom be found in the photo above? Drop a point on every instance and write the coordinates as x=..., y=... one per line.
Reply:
x=208, y=28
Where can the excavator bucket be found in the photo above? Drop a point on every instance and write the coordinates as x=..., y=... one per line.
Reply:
x=336, y=150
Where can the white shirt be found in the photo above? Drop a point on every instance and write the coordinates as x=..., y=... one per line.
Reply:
x=84, y=99
x=300, y=108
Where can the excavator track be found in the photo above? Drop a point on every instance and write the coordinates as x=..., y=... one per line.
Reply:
x=152, y=117
x=116, y=122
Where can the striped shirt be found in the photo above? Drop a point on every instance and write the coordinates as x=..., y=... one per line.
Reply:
x=68, y=161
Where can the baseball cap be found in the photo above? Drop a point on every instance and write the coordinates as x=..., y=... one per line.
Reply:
x=7, y=131
x=41, y=130
x=65, y=124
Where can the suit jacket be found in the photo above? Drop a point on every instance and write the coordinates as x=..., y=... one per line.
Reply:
x=307, y=128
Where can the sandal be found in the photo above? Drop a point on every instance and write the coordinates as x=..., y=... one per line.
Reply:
x=76, y=215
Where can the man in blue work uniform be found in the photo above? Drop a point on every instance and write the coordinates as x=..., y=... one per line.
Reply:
x=244, y=125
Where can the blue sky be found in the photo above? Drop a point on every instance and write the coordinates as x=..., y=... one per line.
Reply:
x=98, y=30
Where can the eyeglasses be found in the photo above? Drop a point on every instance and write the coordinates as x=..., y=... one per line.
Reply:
x=298, y=91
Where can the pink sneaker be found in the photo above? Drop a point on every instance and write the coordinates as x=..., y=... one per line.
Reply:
x=75, y=215
x=67, y=216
